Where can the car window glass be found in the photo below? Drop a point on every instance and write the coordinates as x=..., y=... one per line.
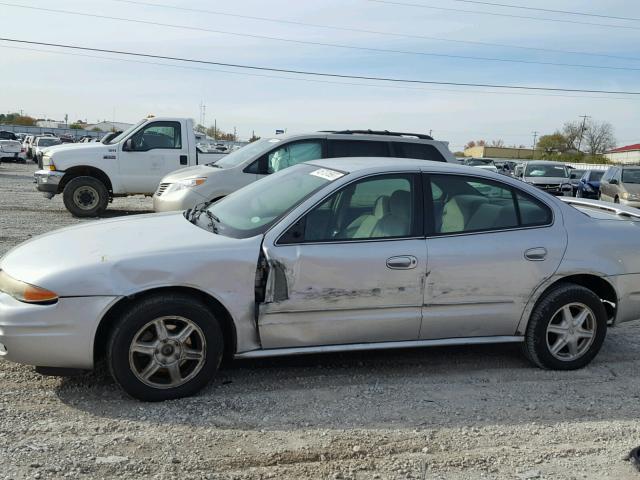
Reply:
x=595, y=175
x=293, y=153
x=471, y=204
x=417, y=150
x=532, y=211
x=158, y=135
x=357, y=148
x=374, y=208
x=631, y=176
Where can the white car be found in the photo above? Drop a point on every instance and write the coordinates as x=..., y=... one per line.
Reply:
x=40, y=145
x=12, y=150
x=326, y=256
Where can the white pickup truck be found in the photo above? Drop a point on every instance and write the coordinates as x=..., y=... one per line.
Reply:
x=133, y=163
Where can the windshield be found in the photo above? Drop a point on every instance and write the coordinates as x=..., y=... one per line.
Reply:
x=253, y=209
x=126, y=133
x=47, y=142
x=631, y=176
x=541, y=170
x=479, y=163
x=596, y=175
x=245, y=153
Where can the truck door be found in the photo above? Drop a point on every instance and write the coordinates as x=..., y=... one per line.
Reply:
x=158, y=148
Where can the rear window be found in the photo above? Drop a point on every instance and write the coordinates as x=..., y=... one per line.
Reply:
x=417, y=150
x=357, y=148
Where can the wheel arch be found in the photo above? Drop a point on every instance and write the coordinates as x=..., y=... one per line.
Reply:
x=110, y=318
x=597, y=284
x=85, y=171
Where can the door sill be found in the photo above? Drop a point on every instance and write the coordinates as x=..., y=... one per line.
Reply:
x=353, y=347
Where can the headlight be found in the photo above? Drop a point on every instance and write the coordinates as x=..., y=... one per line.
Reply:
x=629, y=196
x=187, y=183
x=25, y=292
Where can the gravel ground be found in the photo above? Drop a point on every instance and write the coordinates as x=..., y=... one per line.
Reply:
x=450, y=413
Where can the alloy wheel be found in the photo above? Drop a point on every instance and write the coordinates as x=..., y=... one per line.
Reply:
x=571, y=332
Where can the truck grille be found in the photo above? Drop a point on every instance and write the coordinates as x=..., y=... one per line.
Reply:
x=161, y=188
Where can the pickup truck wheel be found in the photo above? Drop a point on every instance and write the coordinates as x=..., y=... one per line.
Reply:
x=85, y=197
x=165, y=347
x=566, y=329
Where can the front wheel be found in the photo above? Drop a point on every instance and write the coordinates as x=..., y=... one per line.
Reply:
x=85, y=197
x=579, y=193
x=165, y=347
x=566, y=329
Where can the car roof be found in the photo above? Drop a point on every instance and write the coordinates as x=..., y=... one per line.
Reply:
x=383, y=164
x=356, y=135
x=545, y=162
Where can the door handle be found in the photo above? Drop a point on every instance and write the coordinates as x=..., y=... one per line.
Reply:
x=403, y=262
x=537, y=254
x=184, y=160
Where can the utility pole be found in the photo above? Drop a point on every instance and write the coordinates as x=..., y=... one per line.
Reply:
x=203, y=113
x=535, y=138
x=584, y=122
x=215, y=129
x=234, y=134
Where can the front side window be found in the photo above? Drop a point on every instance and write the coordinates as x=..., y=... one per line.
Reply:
x=374, y=208
x=631, y=176
x=467, y=204
x=292, y=154
x=157, y=135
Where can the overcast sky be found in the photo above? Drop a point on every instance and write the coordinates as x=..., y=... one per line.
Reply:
x=51, y=85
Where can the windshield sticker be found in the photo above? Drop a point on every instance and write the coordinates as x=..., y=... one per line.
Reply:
x=274, y=140
x=327, y=174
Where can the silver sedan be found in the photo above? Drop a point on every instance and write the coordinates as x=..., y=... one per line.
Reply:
x=327, y=256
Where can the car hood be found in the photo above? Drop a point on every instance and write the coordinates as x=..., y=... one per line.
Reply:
x=190, y=172
x=74, y=151
x=127, y=255
x=546, y=180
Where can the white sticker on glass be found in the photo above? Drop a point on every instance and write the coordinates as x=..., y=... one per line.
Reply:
x=327, y=174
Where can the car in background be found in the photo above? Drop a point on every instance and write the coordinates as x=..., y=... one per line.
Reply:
x=552, y=177
x=6, y=135
x=575, y=174
x=40, y=144
x=27, y=145
x=12, y=150
x=621, y=185
x=483, y=163
x=110, y=136
x=188, y=187
x=589, y=184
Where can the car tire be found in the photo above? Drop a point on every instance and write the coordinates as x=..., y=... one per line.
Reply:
x=616, y=200
x=548, y=325
x=578, y=193
x=85, y=197
x=164, y=354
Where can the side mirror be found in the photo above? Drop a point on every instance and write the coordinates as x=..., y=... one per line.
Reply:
x=128, y=145
x=613, y=181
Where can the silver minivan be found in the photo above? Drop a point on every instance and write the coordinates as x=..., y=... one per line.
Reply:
x=621, y=185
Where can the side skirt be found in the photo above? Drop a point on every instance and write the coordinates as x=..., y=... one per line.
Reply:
x=354, y=347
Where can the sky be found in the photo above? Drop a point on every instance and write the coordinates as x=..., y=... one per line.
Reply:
x=48, y=82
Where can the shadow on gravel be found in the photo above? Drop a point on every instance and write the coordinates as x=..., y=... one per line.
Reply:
x=430, y=387
x=109, y=213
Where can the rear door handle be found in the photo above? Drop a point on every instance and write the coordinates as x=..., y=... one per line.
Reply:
x=403, y=262
x=537, y=254
x=184, y=160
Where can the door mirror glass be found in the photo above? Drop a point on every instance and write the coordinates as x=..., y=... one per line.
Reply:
x=128, y=145
x=613, y=181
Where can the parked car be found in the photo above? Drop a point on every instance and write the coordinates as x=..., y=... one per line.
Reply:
x=188, y=187
x=40, y=144
x=484, y=163
x=575, y=174
x=552, y=177
x=325, y=256
x=27, y=144
x=12, y=150
x=6, y=135
x=621, y=185
x=589, y=185
x=89, y=175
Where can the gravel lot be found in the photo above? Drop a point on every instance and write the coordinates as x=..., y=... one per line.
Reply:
x=453, y=413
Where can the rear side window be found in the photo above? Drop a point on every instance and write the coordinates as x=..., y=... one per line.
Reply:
x=357, y=148
x=417, y=150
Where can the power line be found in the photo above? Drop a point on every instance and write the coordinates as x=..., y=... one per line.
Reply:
x=322, y=74
x=323, y=44
x=315, y=80
x=373, y=32
x=547, y=10
x=506, y=15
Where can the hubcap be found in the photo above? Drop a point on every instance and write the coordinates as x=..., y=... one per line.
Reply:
x=167, y=352
x=571, y=332
x=86, y=198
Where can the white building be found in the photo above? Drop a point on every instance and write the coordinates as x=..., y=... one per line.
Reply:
x=49, y=124
x=629, y=154
x=108, y=126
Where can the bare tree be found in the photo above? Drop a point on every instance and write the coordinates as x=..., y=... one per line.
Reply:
x=497, y=143
x=470, y=144
x=572, y=131
x=599, y=137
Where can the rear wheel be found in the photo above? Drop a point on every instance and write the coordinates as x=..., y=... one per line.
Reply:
x=616, y=200
x=566, y=329
x=578, y=193
x=85, y=197
x=165, y=347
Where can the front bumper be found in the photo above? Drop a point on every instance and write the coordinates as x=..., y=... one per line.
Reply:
x=48, y=181
x=58, y=335
x=630, y=203
x=177, y=201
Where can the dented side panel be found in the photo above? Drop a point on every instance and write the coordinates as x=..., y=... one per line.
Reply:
x=336, y=293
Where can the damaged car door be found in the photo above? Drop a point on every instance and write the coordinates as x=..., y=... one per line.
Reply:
x=350, y=270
